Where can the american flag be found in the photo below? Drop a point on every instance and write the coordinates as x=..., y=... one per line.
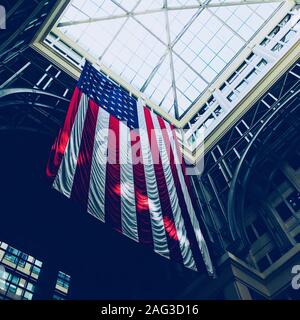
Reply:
x=123, y=163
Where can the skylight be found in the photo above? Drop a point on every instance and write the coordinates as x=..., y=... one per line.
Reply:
x=170, y=50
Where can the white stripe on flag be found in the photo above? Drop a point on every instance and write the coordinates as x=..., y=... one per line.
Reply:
x=188, y=201
x=96, y=197
x=184, y=243
x=65, y=176
x=158, y=230
x=128, y=207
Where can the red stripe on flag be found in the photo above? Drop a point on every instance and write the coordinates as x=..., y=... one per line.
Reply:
x=61, y=141
x=190, y=189
x=113, y=177
x=81, y=182
x=168, y=219
x=185, y=214
x=141, y=197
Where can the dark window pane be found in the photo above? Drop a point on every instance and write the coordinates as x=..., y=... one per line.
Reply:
x=284, y=211
x=294, y=200
x=274, y=254
x=297, y=237
x=294, y=161
x=278, y=178
x=263, y=264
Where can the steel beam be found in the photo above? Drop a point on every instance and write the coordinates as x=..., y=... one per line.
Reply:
x=7, y=92
x=169, y=8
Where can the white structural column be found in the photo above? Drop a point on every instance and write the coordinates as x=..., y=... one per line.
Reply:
x=222, y=100
x=264, y=53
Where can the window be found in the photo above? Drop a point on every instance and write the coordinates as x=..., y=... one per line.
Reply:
x=237, y=72
x=268, y=259
x=294, y=161
x=35, y=270
x=277, y=47
x=260, y=227
x=250, y=57
x=288, y=36
x=262, y=63
x=241, y=67
x=28, y=295
x=22, y=262
x=23, y=259
x=285, y=20
x=256, y=229
x=274, y=254
x=208, y=122
x=200, y=133
x=284, y=211
x=263, y=264
x=297, y=237
x=274, y=31
x=191, y=139
x=203, y=109
x=200, y=50
x=232, y=96
x=16, y=257
x=11, y=255
x=223, y=86
x=251, y=76
x=242, y=85
x=278, y=178
x=63, y=281
x=195, y=118
x=265, y=42
x=16, y=287
x=232, y=77
x=294, y=200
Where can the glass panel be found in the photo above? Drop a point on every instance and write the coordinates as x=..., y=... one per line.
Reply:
x=135, y=46
x=263, y=264
x=294, y=200
x=284, y=211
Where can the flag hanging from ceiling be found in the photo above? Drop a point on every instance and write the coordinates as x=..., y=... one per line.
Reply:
x=123, y=163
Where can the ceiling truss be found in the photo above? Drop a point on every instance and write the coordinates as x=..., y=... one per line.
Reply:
x=168, y=44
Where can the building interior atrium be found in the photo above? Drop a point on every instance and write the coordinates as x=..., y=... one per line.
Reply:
x=225, y=74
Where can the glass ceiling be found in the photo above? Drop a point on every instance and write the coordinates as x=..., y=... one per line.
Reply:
x=170, y=50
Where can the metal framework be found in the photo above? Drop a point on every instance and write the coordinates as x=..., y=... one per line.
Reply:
x=204, y=4
x=222, y=188
x=169, y=45
x=34, y=96
x=34, y=103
